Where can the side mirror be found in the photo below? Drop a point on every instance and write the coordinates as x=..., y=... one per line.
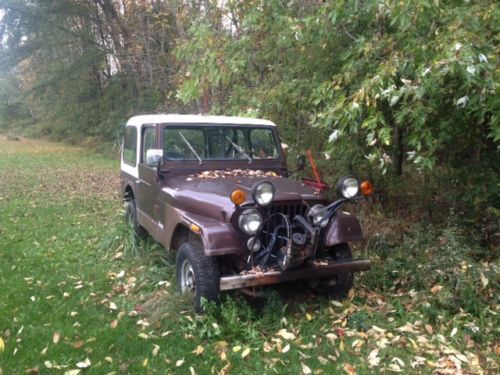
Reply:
x=301, y=162
x=153, y=156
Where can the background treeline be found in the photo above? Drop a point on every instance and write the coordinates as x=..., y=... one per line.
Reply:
x=384, y=88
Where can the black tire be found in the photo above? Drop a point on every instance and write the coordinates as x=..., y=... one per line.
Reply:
x=338, y=287
x=131, y=219
x=204, y=271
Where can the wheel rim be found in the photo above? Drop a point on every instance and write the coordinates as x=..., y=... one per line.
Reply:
x=188, y=281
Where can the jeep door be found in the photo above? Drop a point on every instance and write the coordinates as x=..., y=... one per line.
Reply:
x=148, y=184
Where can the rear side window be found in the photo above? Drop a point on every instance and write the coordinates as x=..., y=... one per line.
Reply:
x=130, y=146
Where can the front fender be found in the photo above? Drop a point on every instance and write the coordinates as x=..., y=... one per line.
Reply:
x=218, y=237
x=343, y=227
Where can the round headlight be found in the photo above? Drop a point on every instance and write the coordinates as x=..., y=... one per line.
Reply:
x=317, y=215
x=349, y=187
x=263, y=193
x=250, y=221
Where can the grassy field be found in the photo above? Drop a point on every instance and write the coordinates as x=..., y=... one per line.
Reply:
x=77, y=295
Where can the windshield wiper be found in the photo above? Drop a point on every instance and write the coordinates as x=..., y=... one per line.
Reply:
x=239, y=149
x=200, y=162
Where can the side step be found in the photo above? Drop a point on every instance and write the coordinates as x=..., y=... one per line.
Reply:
x=276, y=277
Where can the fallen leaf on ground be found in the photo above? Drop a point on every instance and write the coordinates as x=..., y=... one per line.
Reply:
x=245, y=353
x=56, y=337
x=306, y=370
x=199, y=350
x=436, y=288
x=84, y=364
x=179, y=363
x=285, y=334
x=2, y=345
x=73, y=372
x=350, y=369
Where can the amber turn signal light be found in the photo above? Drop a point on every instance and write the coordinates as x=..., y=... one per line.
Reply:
x=238, y=197
x=366, y=188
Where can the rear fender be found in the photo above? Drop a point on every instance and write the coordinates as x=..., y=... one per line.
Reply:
x=343, y=227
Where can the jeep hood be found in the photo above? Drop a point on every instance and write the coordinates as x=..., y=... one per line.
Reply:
x=209, y=196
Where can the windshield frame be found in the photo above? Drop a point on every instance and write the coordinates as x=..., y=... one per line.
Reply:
x=275, y=139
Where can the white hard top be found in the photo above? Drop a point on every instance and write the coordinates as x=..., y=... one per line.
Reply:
x=196, y=119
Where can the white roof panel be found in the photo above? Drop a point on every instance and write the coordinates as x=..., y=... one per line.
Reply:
x=196, y=119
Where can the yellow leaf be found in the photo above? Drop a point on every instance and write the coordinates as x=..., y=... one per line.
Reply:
x=342, y=346
x=309, y=316
x=156, y=350
x=223, y=356
x=199, y=350
x=179, y=362
x=2, y=345
x=286, y=348
x=108, y=359
x=145, y=363
x=236, y=348
x=143, y=336
x=245, y=353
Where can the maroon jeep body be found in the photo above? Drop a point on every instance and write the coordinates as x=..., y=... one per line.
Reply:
x=216, y=190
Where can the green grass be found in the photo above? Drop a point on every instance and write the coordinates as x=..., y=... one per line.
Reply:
x=69, y=269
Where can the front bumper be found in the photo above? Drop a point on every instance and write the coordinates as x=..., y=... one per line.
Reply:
x=276, y=277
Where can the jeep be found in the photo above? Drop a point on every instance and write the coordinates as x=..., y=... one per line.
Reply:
x=217, y=191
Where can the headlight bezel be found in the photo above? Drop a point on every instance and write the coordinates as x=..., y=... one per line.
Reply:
x=243, y=221
x=259, y=189
x=348, y=187
x=317, y=215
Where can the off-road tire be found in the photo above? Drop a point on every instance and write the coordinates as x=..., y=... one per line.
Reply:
x=206, y=272
x=339, y=286
x=131, y=219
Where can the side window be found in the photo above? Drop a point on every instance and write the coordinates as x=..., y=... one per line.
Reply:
x=130, y=146
x=148, y=141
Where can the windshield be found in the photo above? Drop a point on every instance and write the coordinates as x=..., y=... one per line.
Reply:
x=219, y=143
